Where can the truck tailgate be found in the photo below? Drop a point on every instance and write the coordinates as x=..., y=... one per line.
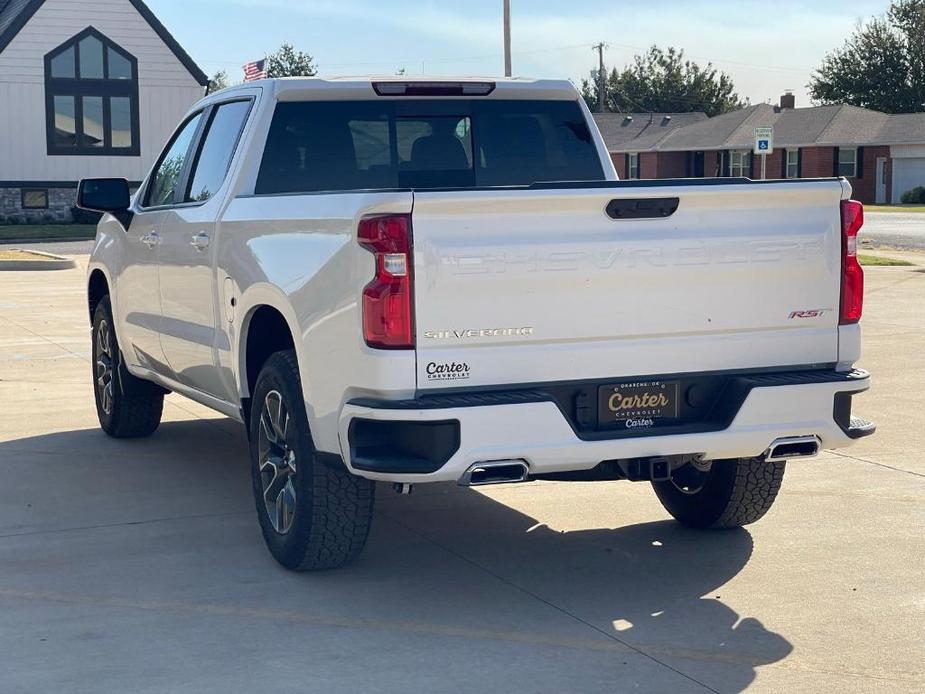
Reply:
x=537, y=285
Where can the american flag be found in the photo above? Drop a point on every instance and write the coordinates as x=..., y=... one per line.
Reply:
x=256, y=70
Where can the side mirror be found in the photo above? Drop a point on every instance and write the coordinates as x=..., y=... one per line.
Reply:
x=109, y=195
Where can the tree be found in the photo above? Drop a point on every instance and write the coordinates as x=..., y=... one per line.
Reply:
x=663, y=81
x=288, y=62
x=880, y=66
x=218, y=81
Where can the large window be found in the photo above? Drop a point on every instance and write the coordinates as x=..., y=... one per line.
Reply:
x=848, y=161
x=410, y=143
x=740, y=163
x=91, y=97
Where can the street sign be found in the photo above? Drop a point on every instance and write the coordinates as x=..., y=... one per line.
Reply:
x=764, y=140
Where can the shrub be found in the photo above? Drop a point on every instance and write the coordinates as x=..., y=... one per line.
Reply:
x=914, y=196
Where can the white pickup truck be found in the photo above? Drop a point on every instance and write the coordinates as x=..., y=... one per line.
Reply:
x=423, y=281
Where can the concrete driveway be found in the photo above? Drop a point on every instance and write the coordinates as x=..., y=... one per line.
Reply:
x=138, y=566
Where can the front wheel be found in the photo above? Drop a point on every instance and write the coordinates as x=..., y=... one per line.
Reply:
x=313, y=513
x=730, y=494
x=125, y=406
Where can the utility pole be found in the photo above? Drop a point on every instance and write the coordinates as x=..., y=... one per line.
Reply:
x=601, y=78
x=507, y=38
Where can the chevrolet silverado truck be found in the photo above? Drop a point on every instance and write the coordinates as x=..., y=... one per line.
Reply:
x=444, y=281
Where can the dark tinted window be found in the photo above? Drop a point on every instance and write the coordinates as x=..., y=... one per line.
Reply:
x=93, y=87
x=358, y=145
x=164, y=182
x=217, y=149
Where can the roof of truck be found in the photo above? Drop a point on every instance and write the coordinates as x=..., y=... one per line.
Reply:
x=361, y=87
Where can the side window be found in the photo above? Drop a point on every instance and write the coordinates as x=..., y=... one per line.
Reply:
x=165, y=179
x=217, y=150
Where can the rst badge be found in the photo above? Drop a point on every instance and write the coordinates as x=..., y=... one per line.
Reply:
x=809, y=313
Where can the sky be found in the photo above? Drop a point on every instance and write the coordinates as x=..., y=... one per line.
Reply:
x=767, y=47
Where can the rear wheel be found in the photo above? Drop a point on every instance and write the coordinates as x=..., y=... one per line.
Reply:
x=126, y=406
x=729, y=494
x=313, y=513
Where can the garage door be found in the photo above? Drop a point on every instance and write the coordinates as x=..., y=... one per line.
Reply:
x=907, y=174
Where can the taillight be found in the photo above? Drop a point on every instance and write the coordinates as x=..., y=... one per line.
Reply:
x=852, y=278
x=388, y=319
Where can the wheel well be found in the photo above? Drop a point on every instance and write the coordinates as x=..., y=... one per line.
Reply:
x=97, y=288
x=267, y=332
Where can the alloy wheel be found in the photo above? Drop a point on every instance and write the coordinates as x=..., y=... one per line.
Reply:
x=104, y=365
x=277, y=461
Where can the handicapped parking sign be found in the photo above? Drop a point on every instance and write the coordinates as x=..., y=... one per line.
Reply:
x=764, y=140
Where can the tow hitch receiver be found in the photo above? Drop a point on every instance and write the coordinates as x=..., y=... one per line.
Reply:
x=648, y=469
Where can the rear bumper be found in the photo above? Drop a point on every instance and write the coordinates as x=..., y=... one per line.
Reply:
x=437, y=438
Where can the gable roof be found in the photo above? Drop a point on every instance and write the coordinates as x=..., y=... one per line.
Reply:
x=10, y=12
x=715, y=132
x=903, y=129
x=14, y=14
x=643, y=129
x=835, y=125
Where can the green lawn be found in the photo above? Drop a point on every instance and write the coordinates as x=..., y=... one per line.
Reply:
x=39, y=232
x=878, y=260
x=895, y=208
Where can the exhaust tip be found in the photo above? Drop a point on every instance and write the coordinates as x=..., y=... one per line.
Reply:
x=494, y=472
x=791, y=447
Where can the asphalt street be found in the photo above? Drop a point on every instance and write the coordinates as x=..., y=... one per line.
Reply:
x=894, y=229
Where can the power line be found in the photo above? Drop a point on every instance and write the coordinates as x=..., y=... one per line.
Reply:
x=718, y=61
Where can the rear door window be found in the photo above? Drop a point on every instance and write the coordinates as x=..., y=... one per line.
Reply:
x=419, y=144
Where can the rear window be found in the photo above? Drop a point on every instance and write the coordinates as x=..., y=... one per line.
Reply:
x=363, y=145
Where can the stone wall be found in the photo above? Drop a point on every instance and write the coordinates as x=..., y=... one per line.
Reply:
x=60, y=204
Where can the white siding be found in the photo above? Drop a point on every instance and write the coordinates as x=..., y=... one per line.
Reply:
x=906, y=151
x=166, y=91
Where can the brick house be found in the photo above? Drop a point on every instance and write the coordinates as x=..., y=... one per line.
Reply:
x=638, y=132
x=882, y=155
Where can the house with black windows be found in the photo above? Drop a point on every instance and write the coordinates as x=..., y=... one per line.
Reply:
x=86, y=89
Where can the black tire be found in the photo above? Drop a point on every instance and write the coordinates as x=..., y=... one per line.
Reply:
x=126, y=406
x=313, y=512
x=732, y=494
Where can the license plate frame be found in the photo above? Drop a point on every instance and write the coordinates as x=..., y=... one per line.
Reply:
x=639, y=404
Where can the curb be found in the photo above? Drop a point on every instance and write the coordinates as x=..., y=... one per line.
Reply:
x=51, y=239
x=50, y=262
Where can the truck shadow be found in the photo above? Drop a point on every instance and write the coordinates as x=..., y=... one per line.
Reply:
x=655, y=587
x=445, y=561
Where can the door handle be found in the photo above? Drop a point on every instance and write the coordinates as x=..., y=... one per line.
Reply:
x=200, y=241
x=150, y=239
x=642, y=208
